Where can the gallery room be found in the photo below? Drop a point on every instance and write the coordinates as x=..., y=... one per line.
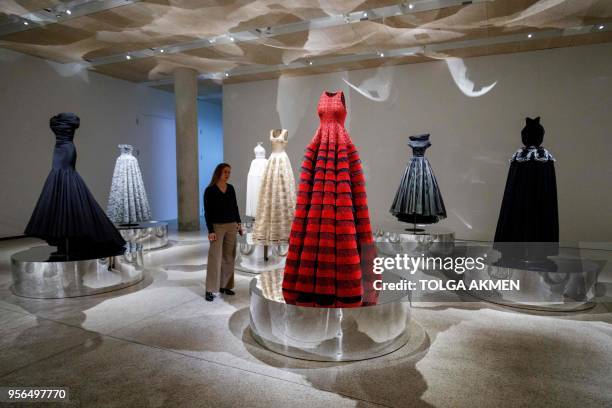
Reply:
x=306, y=203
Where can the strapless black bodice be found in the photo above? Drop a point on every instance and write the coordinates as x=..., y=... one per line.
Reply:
x=419, y=144
x=64, y=153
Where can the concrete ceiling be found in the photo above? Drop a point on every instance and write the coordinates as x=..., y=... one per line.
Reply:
x=235, y=41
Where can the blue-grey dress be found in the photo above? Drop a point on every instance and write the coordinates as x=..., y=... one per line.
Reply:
x=418, y=199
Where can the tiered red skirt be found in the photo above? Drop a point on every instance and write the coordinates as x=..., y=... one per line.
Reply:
x=331, y=246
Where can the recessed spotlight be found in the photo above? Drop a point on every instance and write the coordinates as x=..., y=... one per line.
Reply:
x=309, y=62
x=128, y=57
x=381, y=54
x=232, y=39
x=600, y=27
x=162, y=50
x=411, y=6
x=365, y=13
x=68, y=12
x=26, y=23
x=227, y=75
x=529, y=35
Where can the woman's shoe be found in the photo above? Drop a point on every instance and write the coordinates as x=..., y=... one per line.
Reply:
x=209, y=296
x=227, y=291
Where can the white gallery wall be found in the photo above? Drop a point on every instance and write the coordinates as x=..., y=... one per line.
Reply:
x=112, y=111
x=472, y=137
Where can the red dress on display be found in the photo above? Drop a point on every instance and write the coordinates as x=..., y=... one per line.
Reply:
x=331, y=238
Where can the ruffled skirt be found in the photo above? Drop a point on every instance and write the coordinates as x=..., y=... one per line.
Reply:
x=331, y=238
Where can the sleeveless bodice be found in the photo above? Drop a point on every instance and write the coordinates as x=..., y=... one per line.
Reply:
x=260, y=152
x=126, y=149
x=64, y=154
x=419, y=144
x=278, y=138
x=331, y=108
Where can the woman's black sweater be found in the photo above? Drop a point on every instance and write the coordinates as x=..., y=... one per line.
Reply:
x=220, y=207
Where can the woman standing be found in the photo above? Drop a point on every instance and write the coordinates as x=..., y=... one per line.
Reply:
x=222, y=221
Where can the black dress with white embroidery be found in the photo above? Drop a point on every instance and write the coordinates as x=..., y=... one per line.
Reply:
x=529, y=216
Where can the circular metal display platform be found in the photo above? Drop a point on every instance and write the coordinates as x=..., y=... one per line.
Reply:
x=328, y=334
x=428, y=239
x=252, y=257
x=151, y=234
x=39, y=273
x=568, y=286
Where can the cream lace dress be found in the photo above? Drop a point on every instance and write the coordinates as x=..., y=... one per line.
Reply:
x=276, y=204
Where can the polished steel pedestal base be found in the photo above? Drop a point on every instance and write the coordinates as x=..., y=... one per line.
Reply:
x=151, y=234
x=568, y=288
x=39, y=274
x=327, y=334
x=251, y=257
x=428, y=239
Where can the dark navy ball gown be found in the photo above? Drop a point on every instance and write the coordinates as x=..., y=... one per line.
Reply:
x=528, y=224
x=67, y=215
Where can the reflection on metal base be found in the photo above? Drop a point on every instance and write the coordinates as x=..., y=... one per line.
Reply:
x=569, y=288
x=251, y=257
x=427, y=240
x=326, y=334
x=37, y=274
x=151, y=234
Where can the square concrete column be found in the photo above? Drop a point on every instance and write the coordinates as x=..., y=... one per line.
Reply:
x=187, y=170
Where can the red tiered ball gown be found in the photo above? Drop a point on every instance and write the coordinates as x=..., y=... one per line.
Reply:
x=331, y=239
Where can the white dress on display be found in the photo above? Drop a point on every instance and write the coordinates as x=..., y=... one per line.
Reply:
x=276, y=204
x=256, y=172
x=127, y=203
